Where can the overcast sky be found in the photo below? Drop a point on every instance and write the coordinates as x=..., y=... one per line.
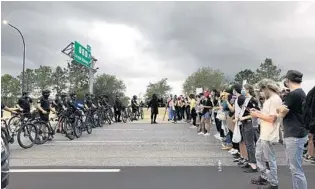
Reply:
x=141, y=42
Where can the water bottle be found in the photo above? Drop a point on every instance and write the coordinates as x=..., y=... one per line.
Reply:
x=219, y=166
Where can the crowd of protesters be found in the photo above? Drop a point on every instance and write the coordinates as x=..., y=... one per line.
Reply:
x=250, y=120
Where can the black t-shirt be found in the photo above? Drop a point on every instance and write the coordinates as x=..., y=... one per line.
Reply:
x=251, y=104
x=134, y=103
x=206, y=102
x=44, y=103
x=293, y=124
x=25, y=104
x=2, y=107
x=59, y=103
x=88, y=102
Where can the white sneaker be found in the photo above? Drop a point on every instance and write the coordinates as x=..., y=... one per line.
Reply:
x=200, y=133
x=207, y=134
x=230, y=151
x=234, y=152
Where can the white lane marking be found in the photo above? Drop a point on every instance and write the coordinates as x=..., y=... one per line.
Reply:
x=119, y=129
x=91, y=143
x=65, y=170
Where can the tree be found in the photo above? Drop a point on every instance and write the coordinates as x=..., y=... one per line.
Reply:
x=109, y=84
x=268, y=70
x=43, y=76
x=10, y=89
x=204, y=77
x=246, y=74
x=78, y=77
x=10, y=86
x=30, y=80
x=160, y=88
x=59, y=79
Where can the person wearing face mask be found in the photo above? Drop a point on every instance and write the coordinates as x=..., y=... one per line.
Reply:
x=247, y=128
x=44, y=106
x=294, y=130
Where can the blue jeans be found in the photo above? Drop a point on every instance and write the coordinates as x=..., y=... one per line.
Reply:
x=265, y=152
x=170, y=113
x=294, y=151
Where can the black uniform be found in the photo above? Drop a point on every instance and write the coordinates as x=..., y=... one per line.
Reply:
x=134, y=105
x=25, y=104
x=45, y=104
x=117, y=108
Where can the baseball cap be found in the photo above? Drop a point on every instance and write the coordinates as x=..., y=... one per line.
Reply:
x=294, y=75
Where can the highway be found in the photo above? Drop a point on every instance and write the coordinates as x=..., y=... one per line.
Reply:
x=136, y=155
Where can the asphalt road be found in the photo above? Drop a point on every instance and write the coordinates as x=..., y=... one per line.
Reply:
x=136, y=144
x=136, y=155
x=152, y=178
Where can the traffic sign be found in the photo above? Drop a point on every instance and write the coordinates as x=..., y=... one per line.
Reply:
x=82, y=55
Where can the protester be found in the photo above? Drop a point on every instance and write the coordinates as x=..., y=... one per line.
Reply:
x=153, y=104
x=269, y=134
x=309, y=120
x=294, y=130
x=169, y=108
x=206, y=114
x=193, y=109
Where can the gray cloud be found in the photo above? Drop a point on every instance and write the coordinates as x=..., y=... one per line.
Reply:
x=225, y=35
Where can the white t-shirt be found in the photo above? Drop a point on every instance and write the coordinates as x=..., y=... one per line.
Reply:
x=270, y=131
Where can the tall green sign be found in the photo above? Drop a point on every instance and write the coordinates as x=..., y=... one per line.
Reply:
x=82, y=55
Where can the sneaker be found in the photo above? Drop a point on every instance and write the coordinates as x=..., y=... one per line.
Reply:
x=307, y=158
x=234, y=152
x=230, y=151
x=226, y=147
x=207, y=134
x=312, y=160
x=268, y=186
x=259, y=181
x=200, y=133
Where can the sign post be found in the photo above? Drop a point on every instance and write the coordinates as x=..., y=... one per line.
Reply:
x=82, y=55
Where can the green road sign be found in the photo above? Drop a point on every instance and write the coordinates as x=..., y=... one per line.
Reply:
x=82, y=55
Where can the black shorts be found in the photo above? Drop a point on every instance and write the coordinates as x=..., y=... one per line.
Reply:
x=44, y=117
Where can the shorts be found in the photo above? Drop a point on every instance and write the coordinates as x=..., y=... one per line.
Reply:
x=206, y=115
x=44, y=117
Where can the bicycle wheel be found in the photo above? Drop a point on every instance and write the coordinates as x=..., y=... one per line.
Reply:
x=68, y=128
x=111, y=115
x=124, y=116
x=78, y=127
x=141, y=114
x=88, y=125
x=42, y=132
x=13, y=123
x=29, y=131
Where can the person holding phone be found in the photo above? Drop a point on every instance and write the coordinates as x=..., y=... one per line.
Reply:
x=269, y=135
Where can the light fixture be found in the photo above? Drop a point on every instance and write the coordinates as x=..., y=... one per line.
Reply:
x=5, y=22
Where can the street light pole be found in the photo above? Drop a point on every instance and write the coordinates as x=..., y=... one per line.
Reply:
x=23, y=72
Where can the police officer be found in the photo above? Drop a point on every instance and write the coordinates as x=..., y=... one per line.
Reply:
x=134, y=106
x=117, y=108
x=25, y=103
x=44, y=106
x=71, y=103
x=88, y=103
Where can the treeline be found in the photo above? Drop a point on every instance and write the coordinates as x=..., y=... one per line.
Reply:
x=209, y=78
x=72, y=78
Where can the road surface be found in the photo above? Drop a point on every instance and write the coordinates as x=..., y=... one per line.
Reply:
x=136, y=155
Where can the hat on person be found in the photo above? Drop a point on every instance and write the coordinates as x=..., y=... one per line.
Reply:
x=238, y=88
x=294, y=75
x=270, y=84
